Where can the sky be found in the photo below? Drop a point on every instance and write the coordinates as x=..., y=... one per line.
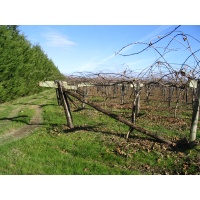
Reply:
x=92, y=48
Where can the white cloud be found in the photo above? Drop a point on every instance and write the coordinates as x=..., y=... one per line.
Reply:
x=105, y=59
x=56, y=39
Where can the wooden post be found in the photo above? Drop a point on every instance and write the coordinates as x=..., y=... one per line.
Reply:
x=170, y=96
x=122, y=93
x=148, y=89
x=114, y=91
x=177, y=102
x=186, y=95
x=58, y=97
x=85, y=93
x=65, y=104
x=137, y=99
x=164, y=93
x=135, y=108
x=137, y=104
x=194, y=91
x=195, y=115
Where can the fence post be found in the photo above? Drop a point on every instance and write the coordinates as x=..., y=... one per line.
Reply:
x=195, y=115
x=114, y=91
x=58, y=97
x=148, y=90
x=85, y=93
x=122, y=93
x=65, y=104
x=170, y=89
x=135, y=108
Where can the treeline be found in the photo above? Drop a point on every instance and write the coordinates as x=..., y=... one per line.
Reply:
x=22, y=65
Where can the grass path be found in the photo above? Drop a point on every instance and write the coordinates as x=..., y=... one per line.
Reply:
x=20, y=119
x=19, y=133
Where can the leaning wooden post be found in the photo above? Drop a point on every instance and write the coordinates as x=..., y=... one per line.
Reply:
x=58, y=97
x=66, y=106
x=195, y=115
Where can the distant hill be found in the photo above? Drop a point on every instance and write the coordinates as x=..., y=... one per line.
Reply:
x=22, y=65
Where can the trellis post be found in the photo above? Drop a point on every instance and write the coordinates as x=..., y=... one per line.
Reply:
x=85, y=93
x=122, y=93
x=135, y=107
x=65, y=104
x=195, y=115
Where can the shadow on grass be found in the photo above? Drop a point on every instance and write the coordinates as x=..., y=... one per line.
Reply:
x=93, y=128
x=184, y=145
x=97, y=129
x=79, y=109
x=21, y=119
x=35, y=104
x=44, y=105
x=15, y=119
x=181, y=145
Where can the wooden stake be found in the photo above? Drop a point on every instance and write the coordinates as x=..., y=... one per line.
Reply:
x=58, y=97
x=66, y=106
x=195, y=115
x=135, y=109
x=85, y=93
x=122, y=93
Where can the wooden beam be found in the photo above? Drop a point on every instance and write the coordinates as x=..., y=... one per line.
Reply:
x=85, y=85
x=50, y=84
x=193, y=83
x=64, y=84
x=53, y=84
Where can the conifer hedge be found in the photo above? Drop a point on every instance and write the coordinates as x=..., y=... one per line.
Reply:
x=22, y=65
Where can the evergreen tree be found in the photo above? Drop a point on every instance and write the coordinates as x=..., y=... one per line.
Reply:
x=22, y=65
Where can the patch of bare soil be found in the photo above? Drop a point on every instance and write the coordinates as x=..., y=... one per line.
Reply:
x=17, y=134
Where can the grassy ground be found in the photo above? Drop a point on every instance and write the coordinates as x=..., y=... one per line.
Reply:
x=96, y=145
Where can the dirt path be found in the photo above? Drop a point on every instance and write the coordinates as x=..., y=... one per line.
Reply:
x=17, y=134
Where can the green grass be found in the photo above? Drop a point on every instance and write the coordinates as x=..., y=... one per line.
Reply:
x=96, y=145
x=12, y=117
x=42, y=153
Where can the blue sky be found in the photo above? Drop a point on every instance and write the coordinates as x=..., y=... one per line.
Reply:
x=91, y=48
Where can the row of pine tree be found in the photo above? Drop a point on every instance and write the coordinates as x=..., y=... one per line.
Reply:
x=22, y=65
